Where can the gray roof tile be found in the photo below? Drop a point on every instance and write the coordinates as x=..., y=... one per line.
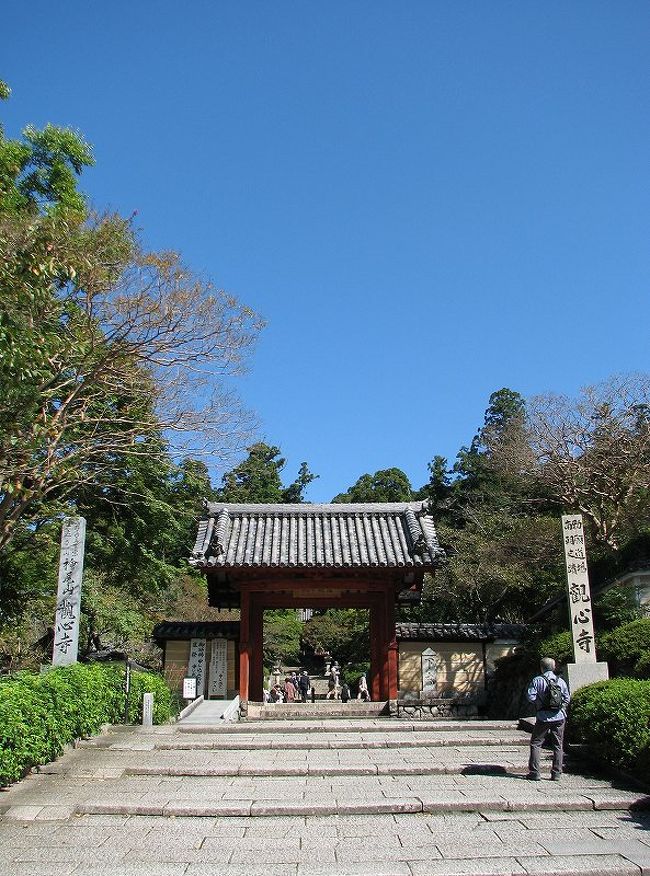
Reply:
x=446, y=632
x=399, y=534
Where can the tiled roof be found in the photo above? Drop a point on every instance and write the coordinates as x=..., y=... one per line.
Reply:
x=459, y=632
x=196, y=630
x=340, y=535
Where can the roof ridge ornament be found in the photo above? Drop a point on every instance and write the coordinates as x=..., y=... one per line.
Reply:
x=416, y=533
x=219, y=538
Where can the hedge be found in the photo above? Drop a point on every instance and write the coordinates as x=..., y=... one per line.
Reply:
x=625, y=646
x=612, y=718
x=41, y=714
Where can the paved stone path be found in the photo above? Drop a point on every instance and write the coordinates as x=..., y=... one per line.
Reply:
x=316, y=798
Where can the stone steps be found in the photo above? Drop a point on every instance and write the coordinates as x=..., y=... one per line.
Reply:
x=342, y=725
x=318, y=709
x=339, y=798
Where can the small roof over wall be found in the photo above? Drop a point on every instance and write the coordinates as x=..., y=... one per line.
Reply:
x=459, y=632
x=178, y=630
x=359, y=536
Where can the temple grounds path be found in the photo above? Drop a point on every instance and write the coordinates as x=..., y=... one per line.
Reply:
x=331, y=797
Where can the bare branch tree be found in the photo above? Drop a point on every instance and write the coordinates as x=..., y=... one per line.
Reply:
x=593, y=453
x=105, y=348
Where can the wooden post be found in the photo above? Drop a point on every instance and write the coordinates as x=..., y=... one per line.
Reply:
x=391, y=646
x=244, y=646
x=375, y=653
x=256, y=636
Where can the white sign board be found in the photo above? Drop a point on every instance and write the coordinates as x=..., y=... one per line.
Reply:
x=218, y=668
x=189, y=688
x=196, y=665
x=68, y=599
x=579, y=594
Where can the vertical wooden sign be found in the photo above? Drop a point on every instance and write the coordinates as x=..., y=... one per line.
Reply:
x=68, y=600
x=579, y=594
x=196, y=666
x=218, y=668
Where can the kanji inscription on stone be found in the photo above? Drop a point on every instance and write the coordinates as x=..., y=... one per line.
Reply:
x=68, y=600
x=579, y=594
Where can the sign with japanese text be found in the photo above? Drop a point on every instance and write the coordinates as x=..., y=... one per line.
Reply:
x=218, y=668
x=189, y=688
x=579, y=594
x=68, y=600
x=196, y=665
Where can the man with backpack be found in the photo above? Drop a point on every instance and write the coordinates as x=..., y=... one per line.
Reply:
x=551, y=697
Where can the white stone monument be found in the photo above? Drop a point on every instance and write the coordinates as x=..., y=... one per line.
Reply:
x=68, y=600
x=585, y=669
x=147, y=710
x=429, y=674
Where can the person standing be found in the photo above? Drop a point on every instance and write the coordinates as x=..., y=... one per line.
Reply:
x=362, y=689
x=289, y=690
x=304, y=684
x=551, y=697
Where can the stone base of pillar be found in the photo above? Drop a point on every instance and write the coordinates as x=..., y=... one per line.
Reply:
x=581, y=674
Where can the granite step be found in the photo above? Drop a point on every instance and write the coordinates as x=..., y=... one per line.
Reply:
x=338, y=725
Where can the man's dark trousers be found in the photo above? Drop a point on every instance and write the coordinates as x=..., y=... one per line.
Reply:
x=540, y=730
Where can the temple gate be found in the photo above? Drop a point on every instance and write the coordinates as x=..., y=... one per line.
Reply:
x=369, y=556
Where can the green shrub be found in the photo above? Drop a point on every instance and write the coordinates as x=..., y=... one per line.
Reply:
x=642, y=666
x=625, y=646
x=164, y=705
x=41, y=714
x=612, y=718
x=559, y=646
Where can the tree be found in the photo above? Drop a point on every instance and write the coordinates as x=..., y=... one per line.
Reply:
x=438, y=489
x=344, y=632
x=387, y=485
x=257, y=478
x=502, y=548
x=482, y=473
x=103, y=345
x=593, y=454
x=39, y=173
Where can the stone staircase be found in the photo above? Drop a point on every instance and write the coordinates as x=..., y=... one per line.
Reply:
x=318, y=710
x=317, y=797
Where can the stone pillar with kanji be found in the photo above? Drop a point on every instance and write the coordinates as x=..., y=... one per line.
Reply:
x=585, y=669
x=68, y=600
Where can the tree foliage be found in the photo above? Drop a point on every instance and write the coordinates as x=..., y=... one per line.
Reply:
x=103, y=345
x=342, y=632
x=386, y=485
x=257, y=478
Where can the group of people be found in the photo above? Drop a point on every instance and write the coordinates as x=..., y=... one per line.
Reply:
x=296, y=688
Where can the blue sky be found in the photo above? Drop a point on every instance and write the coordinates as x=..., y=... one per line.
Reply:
x=427, y=201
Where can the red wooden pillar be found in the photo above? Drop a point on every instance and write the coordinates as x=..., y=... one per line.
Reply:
x=376, y=686
x=391, y=646
x=244, y=645
x=256, y=682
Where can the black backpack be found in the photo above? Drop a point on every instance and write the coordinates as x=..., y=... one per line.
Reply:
x=553, y=696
